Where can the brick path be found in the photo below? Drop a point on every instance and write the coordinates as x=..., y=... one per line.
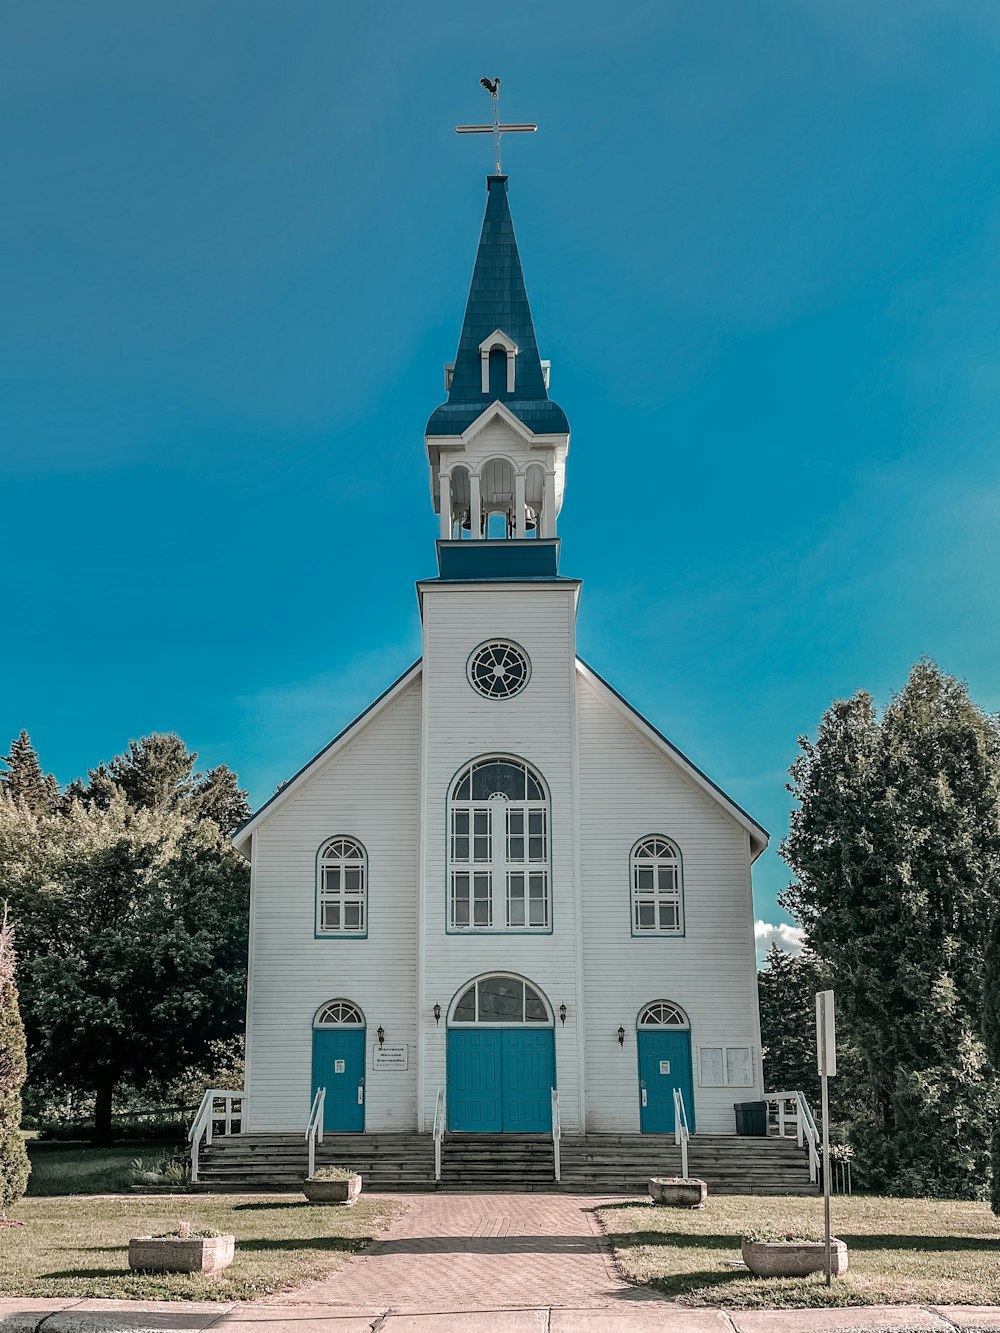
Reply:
x=481, y=1252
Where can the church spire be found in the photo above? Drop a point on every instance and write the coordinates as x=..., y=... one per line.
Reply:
x=497, y=448
x=497, y=357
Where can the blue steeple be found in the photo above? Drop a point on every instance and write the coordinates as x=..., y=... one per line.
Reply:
x=498, y=301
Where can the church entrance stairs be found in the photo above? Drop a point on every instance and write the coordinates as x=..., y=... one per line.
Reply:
x=591, y=1163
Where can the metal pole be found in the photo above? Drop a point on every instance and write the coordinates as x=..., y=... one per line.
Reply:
x=826, y=1180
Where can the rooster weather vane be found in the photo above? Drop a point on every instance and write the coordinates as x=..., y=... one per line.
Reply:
x=492, y=86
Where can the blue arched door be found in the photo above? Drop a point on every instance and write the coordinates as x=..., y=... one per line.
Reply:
x=501, y=1059
x=338, y=1066
x=663, y=1040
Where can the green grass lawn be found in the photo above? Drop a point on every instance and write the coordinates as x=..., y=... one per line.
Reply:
x=78, y=1168
x=900, y=1251
x=78, y=1247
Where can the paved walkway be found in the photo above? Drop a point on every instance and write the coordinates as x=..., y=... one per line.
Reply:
x=477, y=1263
x=73, y=1316
x=482, y=1252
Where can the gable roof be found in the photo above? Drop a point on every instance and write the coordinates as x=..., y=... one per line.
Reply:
x=759, y=836
x=498, y=301
x=241, y=836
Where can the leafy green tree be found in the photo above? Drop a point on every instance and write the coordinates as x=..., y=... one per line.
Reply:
x=24, y=780
x=896, y=853
x=14, y=1166
x=131, y=908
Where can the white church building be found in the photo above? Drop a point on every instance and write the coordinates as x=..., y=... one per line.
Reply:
x=500, y=894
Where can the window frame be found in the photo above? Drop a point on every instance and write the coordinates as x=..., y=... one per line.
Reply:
x=323, y=863
x=724, y=1047
x=656, y=896
x=525, y=1023
x=498, y=869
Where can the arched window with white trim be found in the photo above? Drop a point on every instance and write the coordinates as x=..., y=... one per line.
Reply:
x=342, y=889
x=657, y=887
x=339, y=1014
x=498, y=848
x=663, y=1014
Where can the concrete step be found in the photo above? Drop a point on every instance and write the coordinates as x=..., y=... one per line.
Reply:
x=603, y=1164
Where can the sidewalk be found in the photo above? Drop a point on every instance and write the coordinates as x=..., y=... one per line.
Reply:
x=75, y=1316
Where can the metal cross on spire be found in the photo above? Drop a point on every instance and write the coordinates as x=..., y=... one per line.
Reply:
x=492, y=86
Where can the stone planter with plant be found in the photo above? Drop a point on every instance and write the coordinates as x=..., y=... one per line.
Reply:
x=676, y=1192
x=332, y=1184
x=181, y=1251
x=768, y=1252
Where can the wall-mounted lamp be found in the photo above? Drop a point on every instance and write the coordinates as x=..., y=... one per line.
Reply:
x=562, y=1013
x=437, y=1013
x=381, y=1035
x=621, y=1036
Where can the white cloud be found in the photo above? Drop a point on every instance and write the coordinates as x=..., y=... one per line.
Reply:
x=788, y=937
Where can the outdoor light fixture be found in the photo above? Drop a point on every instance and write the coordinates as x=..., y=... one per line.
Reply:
x=381, y=1035
x=621, y=1036
x=562, y=1013
x=437, y=1013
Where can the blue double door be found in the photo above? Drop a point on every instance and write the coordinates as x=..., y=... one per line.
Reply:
x=500, y=1080
x=339, y=1066
x=664, y=1064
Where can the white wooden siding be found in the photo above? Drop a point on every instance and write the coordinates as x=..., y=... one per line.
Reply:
x=608, y=785
x=537, y=725
x=628, y=788
x=367, y=790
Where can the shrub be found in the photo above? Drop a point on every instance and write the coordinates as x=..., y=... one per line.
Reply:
x=332, y=1173
x=14, y=1166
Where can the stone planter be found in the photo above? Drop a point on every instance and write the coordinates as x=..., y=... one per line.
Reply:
x=793, y=1258
x=332, y=1191
x=677, y=1193
x=181, y=1254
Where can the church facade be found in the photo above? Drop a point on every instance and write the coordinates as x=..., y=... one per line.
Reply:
x=500, y=885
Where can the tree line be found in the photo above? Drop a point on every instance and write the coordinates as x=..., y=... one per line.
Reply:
x=129, y=907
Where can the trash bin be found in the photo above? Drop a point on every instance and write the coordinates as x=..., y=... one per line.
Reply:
x=751, y=1119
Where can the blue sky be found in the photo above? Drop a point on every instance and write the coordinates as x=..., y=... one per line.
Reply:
x=761, y=246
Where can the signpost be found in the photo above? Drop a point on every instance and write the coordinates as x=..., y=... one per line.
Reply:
x=826, y=1059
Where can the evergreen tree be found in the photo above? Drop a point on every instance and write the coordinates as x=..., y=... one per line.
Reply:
x=896, y=853
x=156, y=772
x=786, y=987
x=24, y=780
x=14, y=1166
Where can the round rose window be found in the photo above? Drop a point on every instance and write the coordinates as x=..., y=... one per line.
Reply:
x=498, y=670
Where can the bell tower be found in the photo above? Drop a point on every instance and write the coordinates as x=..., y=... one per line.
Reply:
x=497, y=447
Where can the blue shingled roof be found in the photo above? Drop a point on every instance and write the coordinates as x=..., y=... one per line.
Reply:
x=498, y=300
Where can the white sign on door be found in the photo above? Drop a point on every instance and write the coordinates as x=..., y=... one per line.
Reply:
x=664, y=1066
x=339, y=1066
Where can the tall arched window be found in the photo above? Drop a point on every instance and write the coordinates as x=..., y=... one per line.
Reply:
x=498, y=848
x=342, y=889
x=657, y=890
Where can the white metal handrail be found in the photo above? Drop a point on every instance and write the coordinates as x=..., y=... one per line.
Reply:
x=440, y=1124
x=556, y=1134
x=203, y=1125
x=681, y=1131
x=806, y=1131
x=314, y=1129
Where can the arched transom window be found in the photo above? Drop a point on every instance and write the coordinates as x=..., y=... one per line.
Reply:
x=339, y=1014
x=501, y=999
x=657, y=899
x=341, y=890
x=498, y=848
x=663, y=1014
